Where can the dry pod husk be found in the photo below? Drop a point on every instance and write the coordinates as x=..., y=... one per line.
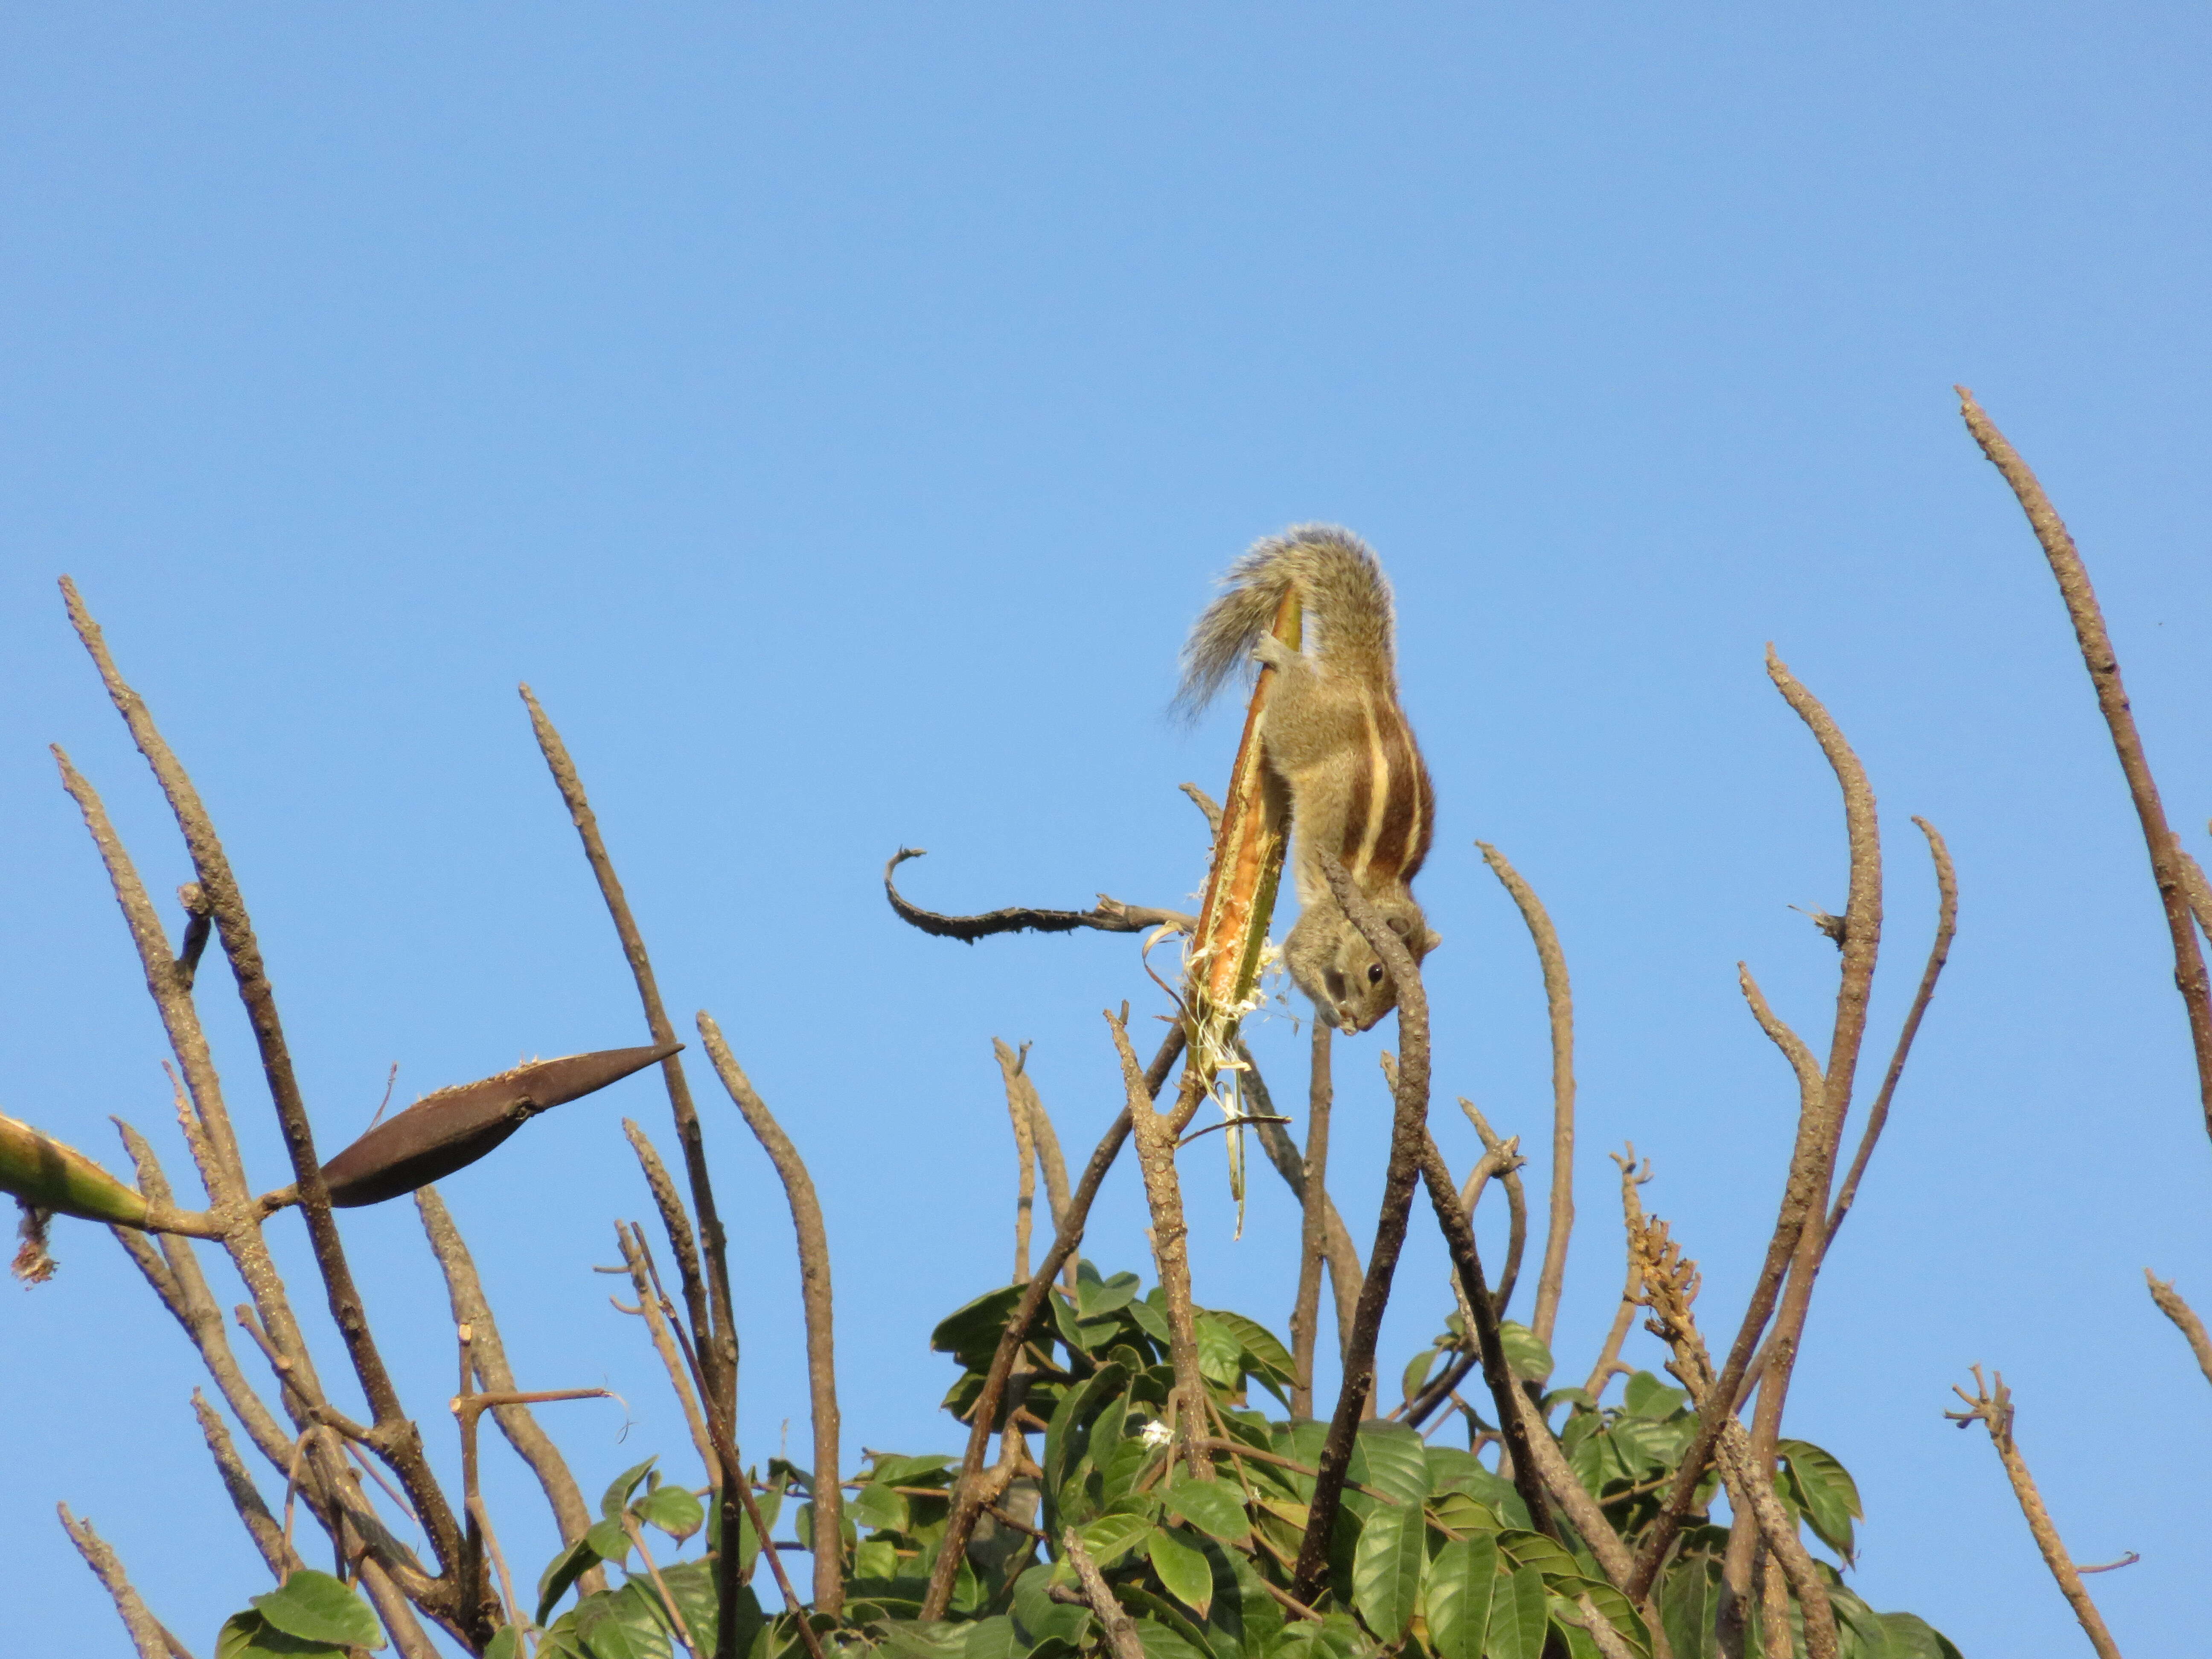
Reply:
x=46, y=1174
x=451, y=1129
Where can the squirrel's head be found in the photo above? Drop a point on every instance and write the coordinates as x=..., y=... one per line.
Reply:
x=1351, y=987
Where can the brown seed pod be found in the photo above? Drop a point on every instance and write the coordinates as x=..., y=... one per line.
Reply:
x=452, y=1128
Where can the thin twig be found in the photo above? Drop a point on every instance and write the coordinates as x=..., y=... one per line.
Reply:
x=1205, y=803
x=2104, y=666
x=1559, y=997
x=709, y=1305
x=1341, y=1255
x=1313, y=1224
x=631, y=1238
x=814, y=1288
x=2185, y=1318
x=968, y=1495
x=1990, y=1405
x=466, y=1294
x=147, y=1632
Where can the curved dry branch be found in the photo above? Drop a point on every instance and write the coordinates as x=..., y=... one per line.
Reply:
x=1111, y=916
x=821, y=1327
x=2104, y=666
x=1026, y=1153
x=1559, y=997
x=1501, y=1160
x=2185, y=1320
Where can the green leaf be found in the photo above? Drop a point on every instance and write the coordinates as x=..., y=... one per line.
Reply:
x=1518, y=1618
x=1220, y=1355
x=1096, y=1297
x=1417, y=1372
x=1533, y=1550
x=1151, y=1315
x=876, y=1506
x=1911, y=1637
x=885, y=1469
x=674, y=1510
x=317, y=1608
x=1612, y=1605
x=1689, y=1602
x=624, y=1484
x=248, y=1636
x=1390, y=1457
x=1160, y=1642
x=991, y=1639
x=1525, y=1357
x=1832, y=1496
x=1212, y=1506
x=1245, y=1618
x=506, y=1643
x=1462, y=1513
x=970, y=1334
x=1647, y=1396
x=1462, y=1581
x=1386, y=1569
x=1113, y=1535
x=1039, y=1618
x=618, y=1624
x=1183, y=1572
x=1068, y=1437
x=609, y=1540
x=562, y=1570
x=1265, y=1357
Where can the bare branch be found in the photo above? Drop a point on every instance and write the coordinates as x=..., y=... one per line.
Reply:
x=1632, y=1215
x=1559, y=997
x=1120, y=1630
x=2185, y=1318
x=146, y=1634
x=709, y=1307
x=1111, y=916
x=1010, y=1066
x=2104, y=666
x=815, y=1293
x=1990, y=1405
x=1341, y=1255
x=245, y=1496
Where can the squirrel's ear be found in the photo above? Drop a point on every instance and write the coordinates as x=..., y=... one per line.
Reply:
x=1430, y=940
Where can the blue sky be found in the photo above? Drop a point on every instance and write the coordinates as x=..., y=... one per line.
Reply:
x=837, y=414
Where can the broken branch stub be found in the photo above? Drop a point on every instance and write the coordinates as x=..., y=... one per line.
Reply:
x=452, y=1128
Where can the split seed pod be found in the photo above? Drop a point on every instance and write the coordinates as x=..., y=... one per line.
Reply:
x=452, y=1128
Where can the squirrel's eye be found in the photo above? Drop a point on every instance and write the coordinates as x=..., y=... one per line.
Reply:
x=1375, y=973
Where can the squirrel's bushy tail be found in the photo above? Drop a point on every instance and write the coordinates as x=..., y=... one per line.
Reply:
x=1340, y=583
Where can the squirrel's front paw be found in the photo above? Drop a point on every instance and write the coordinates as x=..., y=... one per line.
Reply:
x=1273, y=652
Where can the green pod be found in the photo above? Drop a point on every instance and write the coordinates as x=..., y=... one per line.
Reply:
x=47, y=1176
x=452, y=1128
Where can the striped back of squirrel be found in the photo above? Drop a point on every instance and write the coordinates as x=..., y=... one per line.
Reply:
x=1393, y=814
